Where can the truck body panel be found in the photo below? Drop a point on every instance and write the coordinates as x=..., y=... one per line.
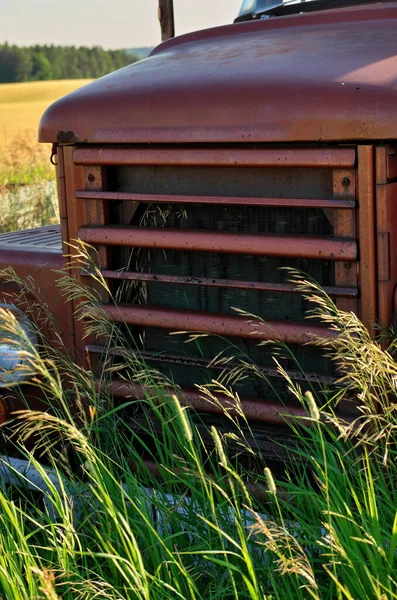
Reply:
x=325, y=76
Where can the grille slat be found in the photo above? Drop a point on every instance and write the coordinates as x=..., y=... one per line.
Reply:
x=342, y=158
x=222, y=242
x=264, y=411
x=200, y=363
x=216, y=324
x=339, y=292
x=219, y=200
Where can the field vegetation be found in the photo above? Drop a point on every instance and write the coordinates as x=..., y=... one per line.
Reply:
x=41, y=63
x=188, y=524
x=27, y=179
x=22, y=159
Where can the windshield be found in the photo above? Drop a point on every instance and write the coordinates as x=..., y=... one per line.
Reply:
x=250, y=7
x=261, y=9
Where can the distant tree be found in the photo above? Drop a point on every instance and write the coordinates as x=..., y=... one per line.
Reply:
x=8, y=63
x=55, y=55
x=41, y=67
x=59, y=62
x=23, y=64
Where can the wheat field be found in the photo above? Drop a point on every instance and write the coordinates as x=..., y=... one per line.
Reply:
x=21, y=107
x=22, y=104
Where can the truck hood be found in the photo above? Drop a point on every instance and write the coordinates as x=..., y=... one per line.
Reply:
x=326, y=76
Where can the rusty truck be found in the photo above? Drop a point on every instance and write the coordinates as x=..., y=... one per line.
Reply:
x=203, y=170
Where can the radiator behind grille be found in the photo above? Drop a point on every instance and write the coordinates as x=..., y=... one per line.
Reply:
x=166, y=231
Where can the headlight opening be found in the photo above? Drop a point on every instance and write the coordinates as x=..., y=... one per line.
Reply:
x=17, y=337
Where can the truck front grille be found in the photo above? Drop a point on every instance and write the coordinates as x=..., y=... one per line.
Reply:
x=191, y=239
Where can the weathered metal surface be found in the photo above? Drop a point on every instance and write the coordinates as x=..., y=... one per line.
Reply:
x=63, y=211
x=96, y=212
x=346, y=274
x=391, y=162
x=341, y=292
x=325, y=76
x=76, y=216
x=40, y=239
x=94, y=180
x=264, y=412
x=41, y=265
x=166, y=18
x=218, y=241
x=25, y=262
x=186, y=361
x=226, y=157
x=4, y=410
x=366, y=234
x=381, y=165
x=386, y=164
x=216, y=324
x=223, y=200
x=386, y=220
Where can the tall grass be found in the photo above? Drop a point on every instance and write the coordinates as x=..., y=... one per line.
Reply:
x=24, y=161
x=27, y=186
x=187, y=524
x=26, y=207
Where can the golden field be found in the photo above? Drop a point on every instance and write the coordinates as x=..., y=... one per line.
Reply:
x=27, y=188
x=22, y=104
x=21, y=107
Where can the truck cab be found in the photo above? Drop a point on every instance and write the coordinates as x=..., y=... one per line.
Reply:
x=202, y=173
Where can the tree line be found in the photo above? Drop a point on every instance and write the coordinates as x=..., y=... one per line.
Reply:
x=36, y=63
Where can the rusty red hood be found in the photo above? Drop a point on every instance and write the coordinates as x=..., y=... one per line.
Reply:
x=330, y=75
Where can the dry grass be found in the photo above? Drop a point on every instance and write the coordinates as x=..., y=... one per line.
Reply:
x=22, y=104
x=22, y=159
x=26, y=207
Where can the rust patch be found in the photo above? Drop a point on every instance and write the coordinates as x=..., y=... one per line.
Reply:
x=67, y=137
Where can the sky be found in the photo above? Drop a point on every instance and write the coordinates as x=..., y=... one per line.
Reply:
x=107, y=23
